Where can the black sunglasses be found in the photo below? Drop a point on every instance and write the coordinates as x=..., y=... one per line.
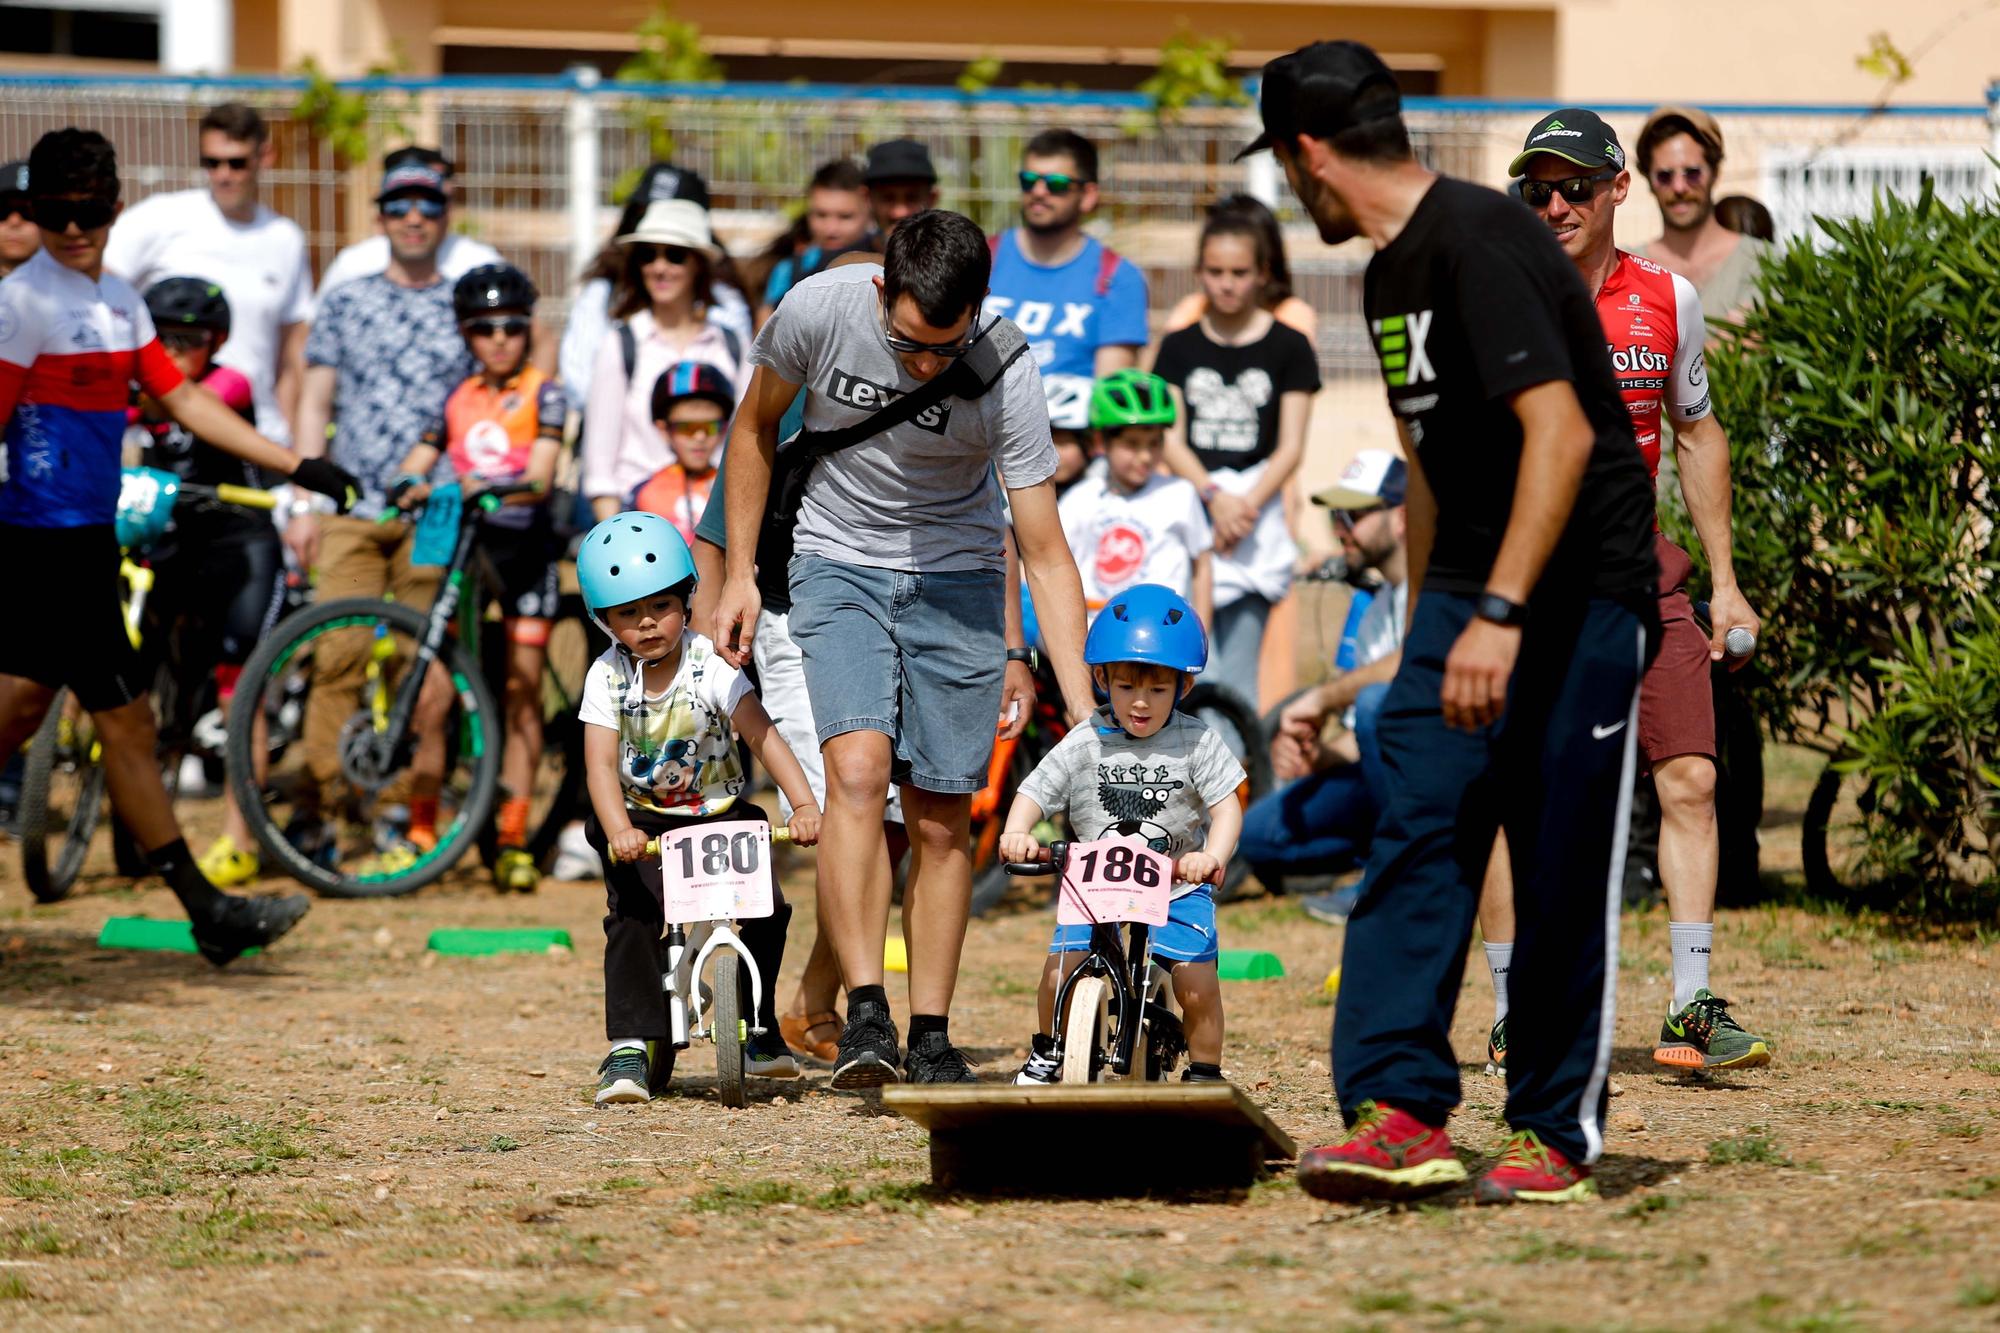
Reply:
x=401, y=206
x=511, y=326
x=676, y=255
x=16, y=206
x=86, y=214
x=233, y=163
x=184, y=340
x=1574, y=189
x=911, y=347
x=1059, y=182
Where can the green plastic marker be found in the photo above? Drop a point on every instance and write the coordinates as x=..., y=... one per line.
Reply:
x=482, y=943
x=141, y=932
x=1248, y=965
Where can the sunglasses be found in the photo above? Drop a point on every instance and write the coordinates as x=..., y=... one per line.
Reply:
x=233, y=163
x=86, y=214
x=513, y=326
x=423, y=205
x=16, y=207
x=695, y=430
x=1664, y=177
x=1059, y=182
x=184, y=340
x=1574, y=189
x=911, y=347
x=676, y=255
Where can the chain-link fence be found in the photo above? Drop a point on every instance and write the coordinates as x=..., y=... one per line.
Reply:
x=541, y=162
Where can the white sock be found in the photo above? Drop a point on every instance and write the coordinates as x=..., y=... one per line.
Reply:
x=1692, y=944
x=1499, y=960
x=629, y=1043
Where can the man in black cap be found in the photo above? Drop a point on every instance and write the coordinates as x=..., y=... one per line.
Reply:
x=19, y=236
x=1530, y=547
x=901, y=183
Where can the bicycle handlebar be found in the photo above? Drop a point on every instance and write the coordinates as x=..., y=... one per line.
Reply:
x=247, y=497
x=779, y=833
x=483, y=501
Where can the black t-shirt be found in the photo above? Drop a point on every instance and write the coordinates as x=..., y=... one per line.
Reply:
x=1232, y=393
x=1475, y=301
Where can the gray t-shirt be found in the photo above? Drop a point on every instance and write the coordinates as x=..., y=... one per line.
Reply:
x=1159, y=788
x=920, y=497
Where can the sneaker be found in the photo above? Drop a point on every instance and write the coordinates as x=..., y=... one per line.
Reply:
x=1529, y=1171
x=228, y=865
x=516, y=870
x=1496, y=1048
x=1041, y=1069
x=623, y=1077
x=1703, y=1036
x=394, y=859
x=933, y=1059
x=315, y=838
x=241, y=923
x=575, y=860
x=1387, y=1154
x=766, y=1056
x=1334, y=906
x=1189, y=1076
x=867, y=1049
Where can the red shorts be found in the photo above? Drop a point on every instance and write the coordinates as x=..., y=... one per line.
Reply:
x=1676, y=699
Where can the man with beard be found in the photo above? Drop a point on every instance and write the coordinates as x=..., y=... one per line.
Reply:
x=1529, y=529
x=1680, y=153
x=1081, y=305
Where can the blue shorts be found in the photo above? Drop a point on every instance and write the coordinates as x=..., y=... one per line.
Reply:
x=1188, y=937
x=917, y=657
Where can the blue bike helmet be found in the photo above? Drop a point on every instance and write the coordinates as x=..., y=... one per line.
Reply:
x=1148, y=623
x=629, y=556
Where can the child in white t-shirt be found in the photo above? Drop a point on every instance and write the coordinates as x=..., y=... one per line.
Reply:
x=1127, y=522
x=661, y=712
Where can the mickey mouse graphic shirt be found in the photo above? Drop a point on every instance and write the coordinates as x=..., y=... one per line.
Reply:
x=676, y=749
x=1159, y=788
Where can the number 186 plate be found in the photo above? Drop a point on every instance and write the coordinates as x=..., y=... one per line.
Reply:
x=718, y=871
x=1115, y=879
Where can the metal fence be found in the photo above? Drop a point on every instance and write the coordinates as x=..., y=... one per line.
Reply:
x=542, y=161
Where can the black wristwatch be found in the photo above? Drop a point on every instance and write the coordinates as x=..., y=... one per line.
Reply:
x=1492, y=606
x=1028, y=655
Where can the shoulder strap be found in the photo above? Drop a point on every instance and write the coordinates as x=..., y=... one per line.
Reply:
x=1107, y=269
x=818, y=444
x=733, y=341
x=628, y=343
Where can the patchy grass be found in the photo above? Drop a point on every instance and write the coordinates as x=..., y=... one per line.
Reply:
x=1552, y=1249
x=35, y=1238
x=1978, y=1294
x=1383, y=1302
x=1753, y=1148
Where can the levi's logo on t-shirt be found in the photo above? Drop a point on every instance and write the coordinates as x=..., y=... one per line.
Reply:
x=1399, y=344
x=869, y=396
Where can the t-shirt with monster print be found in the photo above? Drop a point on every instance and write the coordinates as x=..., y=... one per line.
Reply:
x=1159, y=788
x=676, y=749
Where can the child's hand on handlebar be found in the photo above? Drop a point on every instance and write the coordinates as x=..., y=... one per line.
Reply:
x=1021, y=847
x=804, y=824
x=1198, y=868
x=629, y=845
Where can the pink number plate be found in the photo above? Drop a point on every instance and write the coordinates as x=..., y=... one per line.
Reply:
x=718, y=871
x=1115, y=879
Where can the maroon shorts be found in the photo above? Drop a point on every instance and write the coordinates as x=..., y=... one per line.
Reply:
x=1676, y=701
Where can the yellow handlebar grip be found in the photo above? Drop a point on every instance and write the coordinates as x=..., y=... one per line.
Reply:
x=247, y=496
x=779, y=834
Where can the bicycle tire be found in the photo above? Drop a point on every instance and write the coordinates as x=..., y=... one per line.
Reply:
x=50, y=880
x=726, y=1021
x=1224, y=703
x=1083, y=1031
x=476, y=708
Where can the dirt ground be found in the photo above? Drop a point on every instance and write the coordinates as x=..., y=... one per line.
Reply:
x=355, y=1133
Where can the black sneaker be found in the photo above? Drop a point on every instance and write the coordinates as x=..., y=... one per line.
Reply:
x=867, y=1056
x=240, y=923
x=623, y=1077
x=933, y=1059
x=1189, y=1076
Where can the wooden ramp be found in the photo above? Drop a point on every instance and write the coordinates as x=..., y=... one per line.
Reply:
x=1106, y=1138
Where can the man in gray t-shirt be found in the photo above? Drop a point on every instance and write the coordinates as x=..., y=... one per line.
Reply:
x=898, y=605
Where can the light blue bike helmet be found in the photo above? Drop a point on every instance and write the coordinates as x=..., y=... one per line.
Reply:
x=1148, y=623
x=629, y=556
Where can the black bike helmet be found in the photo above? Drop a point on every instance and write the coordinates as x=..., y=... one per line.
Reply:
x=189, y=303
x=492, y=287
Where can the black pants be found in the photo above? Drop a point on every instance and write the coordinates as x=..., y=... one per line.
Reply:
x=1557, y=772
x=635, y=921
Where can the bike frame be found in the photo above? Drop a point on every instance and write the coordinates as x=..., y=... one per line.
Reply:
x=684, y=1010
x=1129, y=967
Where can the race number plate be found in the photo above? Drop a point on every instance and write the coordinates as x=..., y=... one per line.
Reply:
x=1115, y=879
x=717, y=872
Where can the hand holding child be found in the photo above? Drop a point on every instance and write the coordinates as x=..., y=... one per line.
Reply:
x=805, y=824
x=1198, y=868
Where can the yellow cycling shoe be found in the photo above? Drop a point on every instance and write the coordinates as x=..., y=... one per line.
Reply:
x=517, y=870
x=226, y=865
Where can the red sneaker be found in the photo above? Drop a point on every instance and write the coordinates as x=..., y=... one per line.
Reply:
x=1529, y=1171
x=1388, y=1154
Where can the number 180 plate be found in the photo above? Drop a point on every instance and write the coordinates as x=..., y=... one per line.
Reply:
x=1115, y=879
x=718, y=871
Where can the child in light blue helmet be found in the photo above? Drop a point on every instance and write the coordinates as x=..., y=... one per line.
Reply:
x=661, y=712
x=1149, y=769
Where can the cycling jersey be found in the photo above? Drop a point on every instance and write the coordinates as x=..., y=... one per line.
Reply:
x=1654, y=332
x=70, y=349
x=490, y=433
x=1068, y=311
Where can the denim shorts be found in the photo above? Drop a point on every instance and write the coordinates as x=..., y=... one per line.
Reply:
x=917, y=657
x=1188, y=937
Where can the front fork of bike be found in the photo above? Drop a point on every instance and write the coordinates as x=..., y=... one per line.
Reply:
x=684, y=1010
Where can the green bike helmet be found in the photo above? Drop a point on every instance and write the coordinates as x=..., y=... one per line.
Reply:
x=1130, y=398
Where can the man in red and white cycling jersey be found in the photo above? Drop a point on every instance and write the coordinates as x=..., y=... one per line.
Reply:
x=1574, y=178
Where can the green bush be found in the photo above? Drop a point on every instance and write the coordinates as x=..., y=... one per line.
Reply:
x=1860, y=397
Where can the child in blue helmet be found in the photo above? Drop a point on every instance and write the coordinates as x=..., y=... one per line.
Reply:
x=1143, y=768
x=661, y=712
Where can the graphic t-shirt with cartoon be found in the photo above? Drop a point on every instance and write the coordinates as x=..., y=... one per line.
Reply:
x=676, y=749
x=1159, y=788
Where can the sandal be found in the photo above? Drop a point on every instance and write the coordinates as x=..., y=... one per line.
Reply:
x=797, y=1030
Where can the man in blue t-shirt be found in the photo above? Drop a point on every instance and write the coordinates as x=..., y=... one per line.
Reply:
x=1081, y=305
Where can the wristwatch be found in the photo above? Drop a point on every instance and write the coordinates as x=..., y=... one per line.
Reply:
x=1492, y=606
x=1028, y=655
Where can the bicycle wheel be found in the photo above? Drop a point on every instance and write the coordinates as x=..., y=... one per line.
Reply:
x=726, y=1022
x=1832, y=840
x=1230, y=715
x=1084, y=1030
x=62, y=800
x=335, y=821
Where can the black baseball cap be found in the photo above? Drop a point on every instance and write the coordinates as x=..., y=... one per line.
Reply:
x=1321, y=90
x=663, y=180
x=899, y=160
x=1574, y=135
x=13, y=179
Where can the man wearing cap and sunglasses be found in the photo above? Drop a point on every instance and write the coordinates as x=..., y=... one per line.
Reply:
x=1574, y=178
x=1679, y=152
x=1532, y=575
x=20, y=238
x=902, y=182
